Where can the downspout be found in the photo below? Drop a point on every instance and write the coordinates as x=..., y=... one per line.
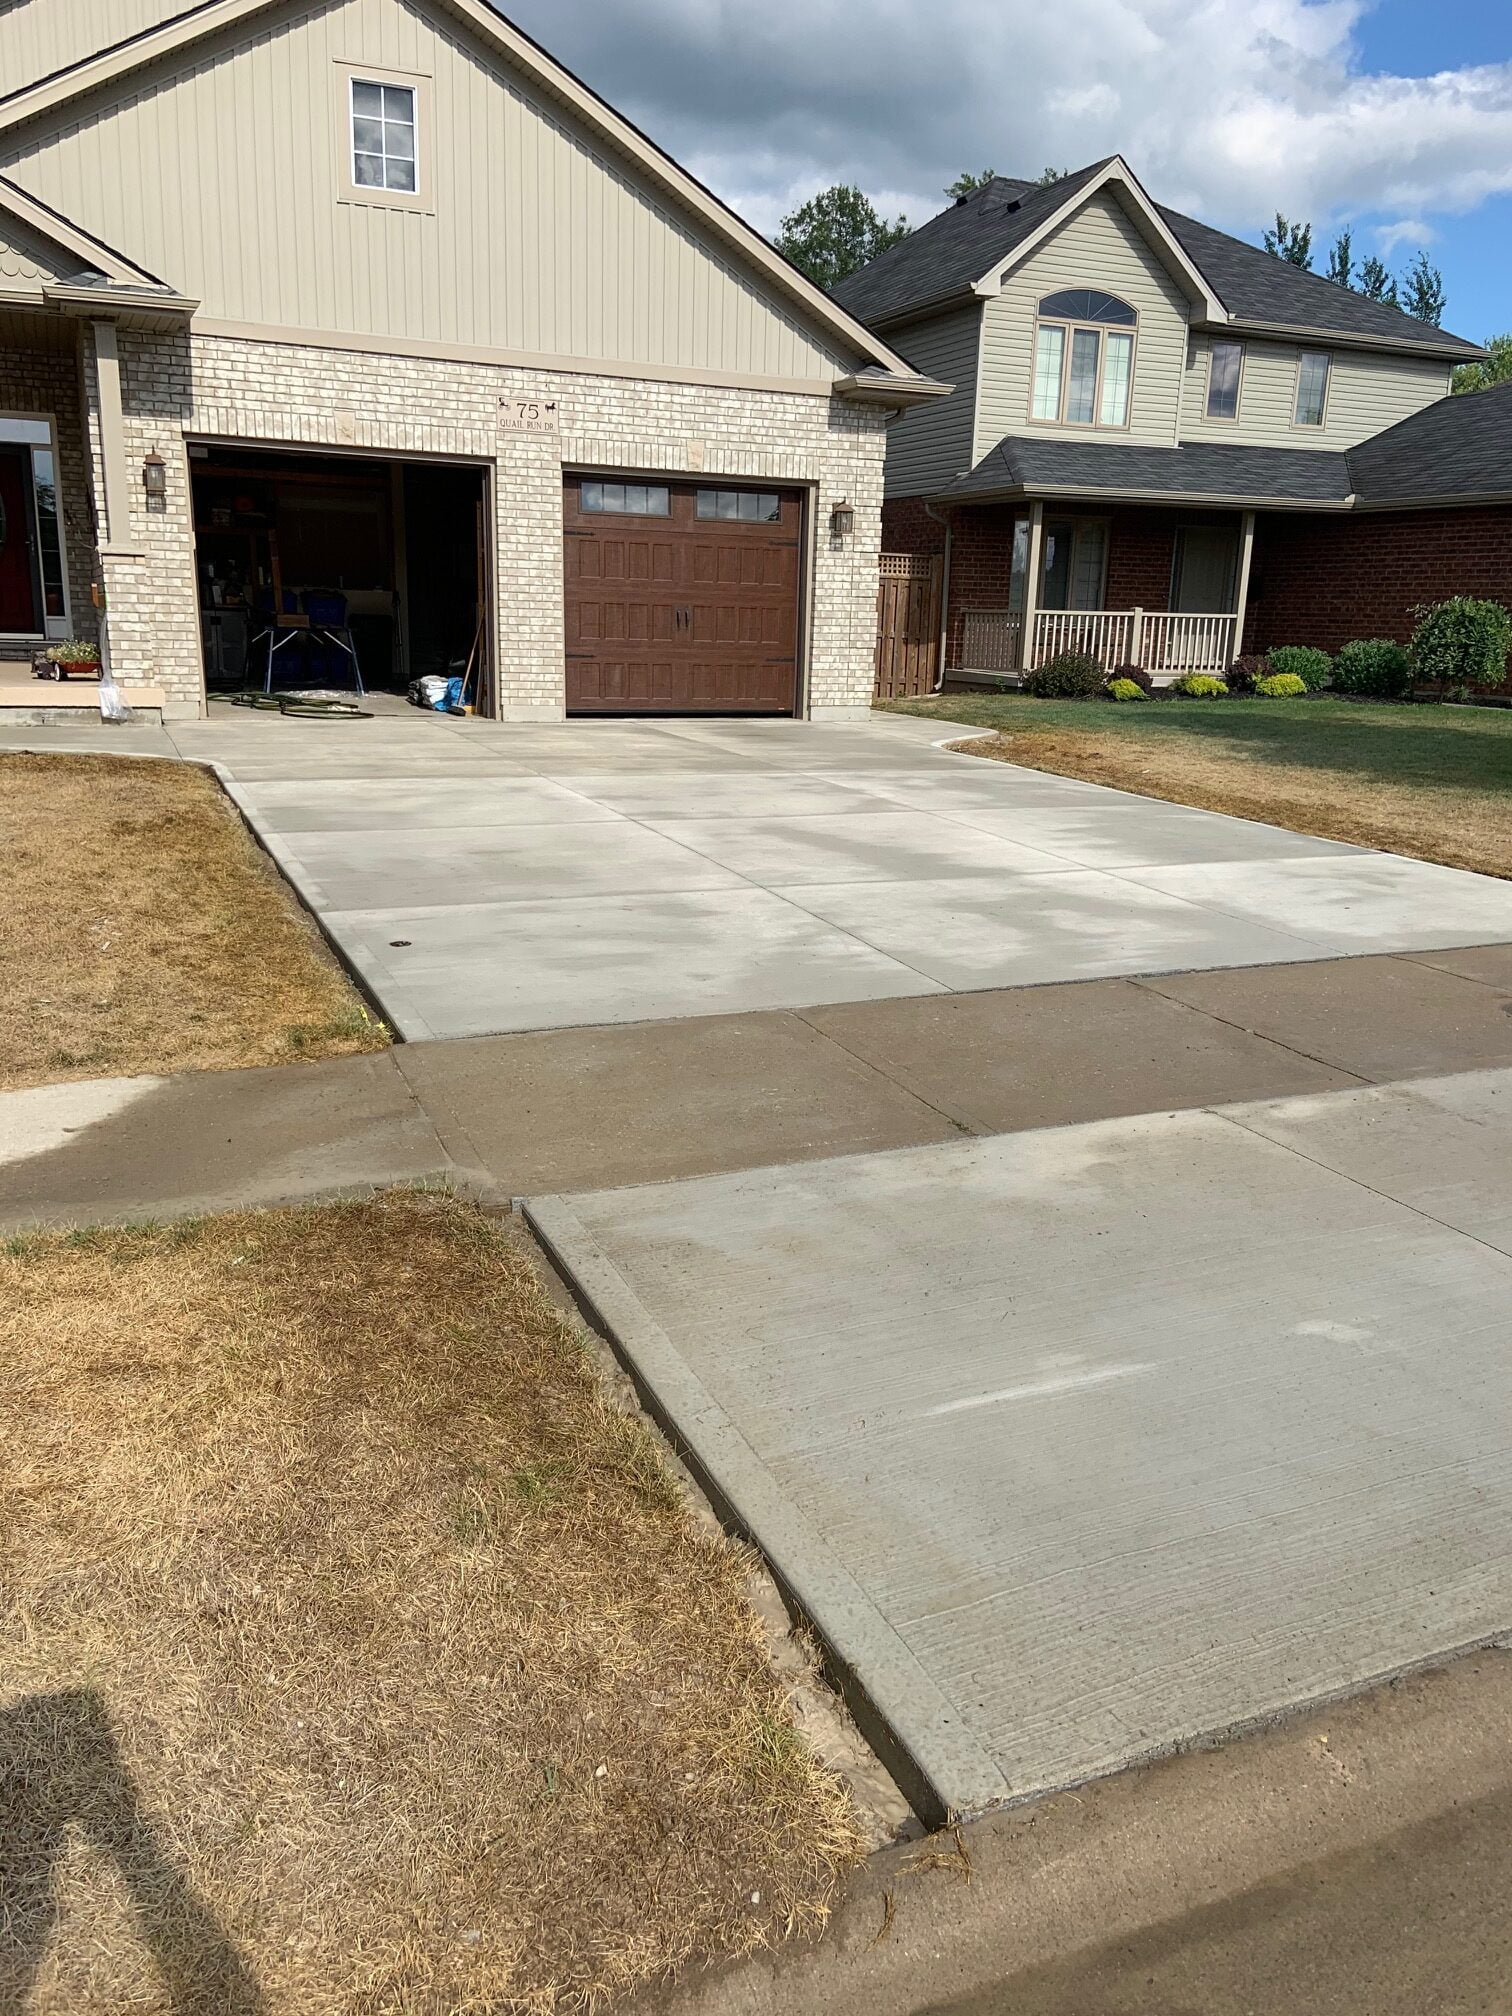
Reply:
x=931, y=512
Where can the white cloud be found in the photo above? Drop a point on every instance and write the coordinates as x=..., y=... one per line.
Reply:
x=1413, y=231
x=1231, y=111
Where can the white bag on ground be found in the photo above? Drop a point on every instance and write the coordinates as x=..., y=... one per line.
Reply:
x=112, y=700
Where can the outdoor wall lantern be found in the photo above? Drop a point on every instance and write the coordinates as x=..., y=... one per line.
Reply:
x=842, y=520
x=155, y=476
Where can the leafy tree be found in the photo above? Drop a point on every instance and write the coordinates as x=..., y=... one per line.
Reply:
x=1341, y=259
x=1375, y=283
x=1423, y=291
x=967, y=184
x=1048, y=177
x=1494, y=369
x=835, y=234
x=1291, y=242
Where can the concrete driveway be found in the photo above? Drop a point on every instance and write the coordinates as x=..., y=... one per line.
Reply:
x=485, y=878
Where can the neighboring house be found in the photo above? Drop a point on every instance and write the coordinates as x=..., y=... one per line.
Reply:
x=1150, y=423
x=367, y=315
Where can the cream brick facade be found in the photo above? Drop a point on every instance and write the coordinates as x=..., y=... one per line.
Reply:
x=176, y=388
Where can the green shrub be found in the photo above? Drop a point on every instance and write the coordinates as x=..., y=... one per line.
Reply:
x=1072, y=675
x=1136, y=675
x=1281, y=686
x=1125, y=689
x=1198, y=686
x=1462, y=642
x=1314, y=668
x=1373, y=665
x=1243, y=673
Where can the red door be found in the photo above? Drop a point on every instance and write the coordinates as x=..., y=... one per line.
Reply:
x=18, y=591
x=682, y=598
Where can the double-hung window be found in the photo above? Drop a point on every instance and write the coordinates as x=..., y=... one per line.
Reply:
x=1312, y=388
x=384, y=122
x=1083, y=359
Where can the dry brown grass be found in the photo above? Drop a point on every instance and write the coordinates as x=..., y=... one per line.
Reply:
x=357, y=1654
x=143, y=930
x=1461, y=828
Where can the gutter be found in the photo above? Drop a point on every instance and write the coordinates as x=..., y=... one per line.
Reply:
x=1022, y=492
x=878, y=388
x=1457, y=351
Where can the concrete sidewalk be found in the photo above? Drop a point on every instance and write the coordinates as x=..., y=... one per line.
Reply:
x=567, y=1110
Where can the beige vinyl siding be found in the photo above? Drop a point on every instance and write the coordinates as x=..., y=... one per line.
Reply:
x=930, y=445
x=221, y=170
x=38, y=37
x=1368, y=391
x=1098, y=247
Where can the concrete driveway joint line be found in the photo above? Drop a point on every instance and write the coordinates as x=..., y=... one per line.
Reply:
x=938, y=1763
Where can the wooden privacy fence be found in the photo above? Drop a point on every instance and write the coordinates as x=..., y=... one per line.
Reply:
x=908, y=625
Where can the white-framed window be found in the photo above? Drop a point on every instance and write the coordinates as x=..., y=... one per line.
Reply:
x=1225, y=369
x=1083, y=359
x=382, y=133
x=629, y=500
x=385, y=130
x=1313, y=369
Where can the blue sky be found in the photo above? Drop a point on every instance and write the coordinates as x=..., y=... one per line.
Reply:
x=1394, y=116
x=1473, y=251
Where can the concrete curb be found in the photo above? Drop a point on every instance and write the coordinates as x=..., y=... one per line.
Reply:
x=920, y=1736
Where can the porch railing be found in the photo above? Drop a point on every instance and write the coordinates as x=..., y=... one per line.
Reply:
x=1166, y=642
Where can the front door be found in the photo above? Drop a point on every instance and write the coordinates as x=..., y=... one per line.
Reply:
x=18, y=584
x=1206, y=570
x=682, y=598
x=1075, y=557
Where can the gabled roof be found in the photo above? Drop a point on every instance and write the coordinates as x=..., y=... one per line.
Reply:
x=92, y=254
x=1201, y=471
x=1457, y=451
x=524, y=54
x=954, y=254
x=1262, y=291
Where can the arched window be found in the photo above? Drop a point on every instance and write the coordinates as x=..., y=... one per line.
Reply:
x=1083, y=358
x=1087, y=304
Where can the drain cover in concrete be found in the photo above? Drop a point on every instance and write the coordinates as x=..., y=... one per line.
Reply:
x=1079, y=1444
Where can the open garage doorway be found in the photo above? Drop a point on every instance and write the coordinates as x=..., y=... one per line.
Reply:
x=311, y=565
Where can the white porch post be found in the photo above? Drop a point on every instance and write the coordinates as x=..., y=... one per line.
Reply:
x=1136, y=637
x=1032, y=581
x=1246, y=553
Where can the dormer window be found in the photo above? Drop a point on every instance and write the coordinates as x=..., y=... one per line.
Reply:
x=1083, y=359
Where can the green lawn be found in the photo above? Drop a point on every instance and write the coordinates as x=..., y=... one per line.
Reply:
x=1431, y=781
x=1454, y=748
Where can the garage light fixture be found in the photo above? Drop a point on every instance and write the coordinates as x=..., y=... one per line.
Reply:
x=842, y=520
x=155, y=475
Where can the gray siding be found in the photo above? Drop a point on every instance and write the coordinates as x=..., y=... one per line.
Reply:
x=1368, y=392
x=26, y=258
x=222, y=169
x=929, y=446
x=1098, y=247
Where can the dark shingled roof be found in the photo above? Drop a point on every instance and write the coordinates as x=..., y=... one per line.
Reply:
x=952, y=251
x=1039, y=464
x=1458, y=448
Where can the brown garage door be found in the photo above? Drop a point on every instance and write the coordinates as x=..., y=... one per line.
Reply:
x=682, y=598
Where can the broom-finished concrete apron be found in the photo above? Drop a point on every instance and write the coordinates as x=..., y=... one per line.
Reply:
x=485, y=878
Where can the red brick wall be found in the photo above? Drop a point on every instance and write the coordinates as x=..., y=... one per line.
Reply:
x=1325, y=580
x=1140, y=547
